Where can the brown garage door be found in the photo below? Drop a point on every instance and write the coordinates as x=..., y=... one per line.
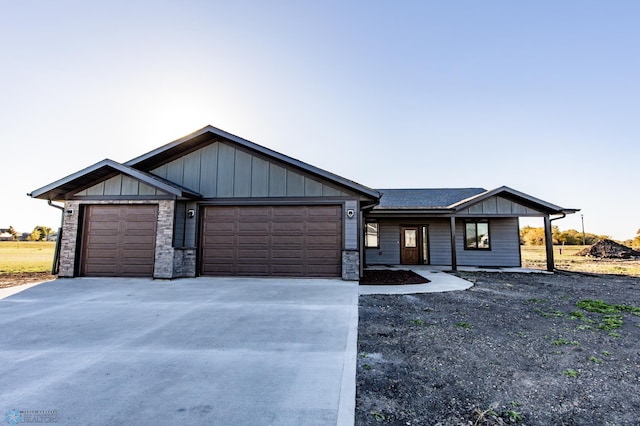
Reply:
x=272, y=241
x=119, y=241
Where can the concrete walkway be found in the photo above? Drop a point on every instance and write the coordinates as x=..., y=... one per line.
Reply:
x=190, y=351
x=441, y=281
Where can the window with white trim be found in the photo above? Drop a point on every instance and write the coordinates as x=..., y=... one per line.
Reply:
x=371, y=235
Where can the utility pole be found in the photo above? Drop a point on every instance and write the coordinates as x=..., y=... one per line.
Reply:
x=584, y=238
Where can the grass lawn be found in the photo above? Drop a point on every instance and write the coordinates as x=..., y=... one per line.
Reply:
x=535, y=257
x=26, y=256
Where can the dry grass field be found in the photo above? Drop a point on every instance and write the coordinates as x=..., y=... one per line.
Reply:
x=534, y=257
x=26, y=256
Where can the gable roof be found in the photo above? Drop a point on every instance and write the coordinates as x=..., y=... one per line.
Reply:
x=210, y=134
x=514, y=195
x=103, y=170
x=452, y=200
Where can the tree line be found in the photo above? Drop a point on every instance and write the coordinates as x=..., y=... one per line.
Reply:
x=532, y=236
x=39, y=233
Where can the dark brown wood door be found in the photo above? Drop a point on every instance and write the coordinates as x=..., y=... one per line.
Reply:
x=119, y=240
x=300, y=241
x=409, y=245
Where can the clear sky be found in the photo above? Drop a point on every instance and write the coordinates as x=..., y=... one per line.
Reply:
x=541, y=96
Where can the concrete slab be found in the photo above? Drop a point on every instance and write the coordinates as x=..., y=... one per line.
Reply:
x=191, y=351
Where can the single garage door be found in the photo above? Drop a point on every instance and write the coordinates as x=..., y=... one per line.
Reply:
x=300, y=241
x=119, y=240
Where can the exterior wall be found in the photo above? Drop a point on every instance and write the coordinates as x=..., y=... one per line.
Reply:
x=164, y=251
x=505, y=243
x=119, y=185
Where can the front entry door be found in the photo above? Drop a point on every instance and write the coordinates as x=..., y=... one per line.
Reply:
x=409, y=247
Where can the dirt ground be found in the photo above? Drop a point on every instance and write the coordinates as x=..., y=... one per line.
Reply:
x=513, y=349
x=10, y=280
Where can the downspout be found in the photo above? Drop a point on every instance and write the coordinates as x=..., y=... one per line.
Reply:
x=55, y=268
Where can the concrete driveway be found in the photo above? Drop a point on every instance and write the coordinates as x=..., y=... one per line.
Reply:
x=213, y=351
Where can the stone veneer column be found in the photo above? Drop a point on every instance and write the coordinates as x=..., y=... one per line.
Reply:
x=350, y=265
x=163, y=267
x=69, y=239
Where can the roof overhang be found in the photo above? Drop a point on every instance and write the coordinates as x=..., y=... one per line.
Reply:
x=102, y=170
x=517, y=196
x=210, y=134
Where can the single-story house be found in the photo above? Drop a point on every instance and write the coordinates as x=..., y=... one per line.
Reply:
x=212, y=203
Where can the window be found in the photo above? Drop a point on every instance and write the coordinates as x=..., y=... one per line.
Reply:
x=476, y=235
x=371, y=238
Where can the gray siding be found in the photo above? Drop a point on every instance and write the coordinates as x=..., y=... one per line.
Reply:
x=440, y=242
x=389, y=251
x=119, y=185
x=505, y=245
x=351, y=226
x=220, y=170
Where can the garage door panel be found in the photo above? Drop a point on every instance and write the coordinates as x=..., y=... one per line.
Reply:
x=272, y=240
x=119, y=240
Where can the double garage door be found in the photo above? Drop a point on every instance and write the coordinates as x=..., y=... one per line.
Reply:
x=300, y=241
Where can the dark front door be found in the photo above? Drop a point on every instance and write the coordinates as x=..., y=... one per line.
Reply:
x=409, y=247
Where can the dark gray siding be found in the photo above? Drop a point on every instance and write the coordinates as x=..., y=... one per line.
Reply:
x=223, y=171
x=389, y=251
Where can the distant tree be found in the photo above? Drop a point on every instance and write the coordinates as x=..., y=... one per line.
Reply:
x=535, y=236
x=13, y=232
x=34, y=236
x=636, y=240
x=531, y=236
x=44, y=231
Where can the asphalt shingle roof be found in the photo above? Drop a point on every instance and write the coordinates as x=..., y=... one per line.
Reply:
x=424, y=198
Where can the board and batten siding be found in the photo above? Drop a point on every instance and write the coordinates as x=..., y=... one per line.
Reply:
x=497, y=205
x=120, y=185
x=219, y=170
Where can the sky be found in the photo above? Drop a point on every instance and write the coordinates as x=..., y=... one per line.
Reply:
x=541, y=96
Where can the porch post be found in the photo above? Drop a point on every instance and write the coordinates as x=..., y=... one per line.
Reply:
x=548, y=241
x=454, y=257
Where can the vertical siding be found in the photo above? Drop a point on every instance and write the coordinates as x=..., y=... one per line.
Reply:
x=113, y=186
x=277, y=181
x=221, y=170
x=242, y=175
x=259, y=177
x=191, y=172
x=209, y=170
x=129, y=186
x=351, y=226
x=505, y=245
x=226, y=172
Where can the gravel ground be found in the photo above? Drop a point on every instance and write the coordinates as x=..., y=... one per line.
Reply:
x=513, y=349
